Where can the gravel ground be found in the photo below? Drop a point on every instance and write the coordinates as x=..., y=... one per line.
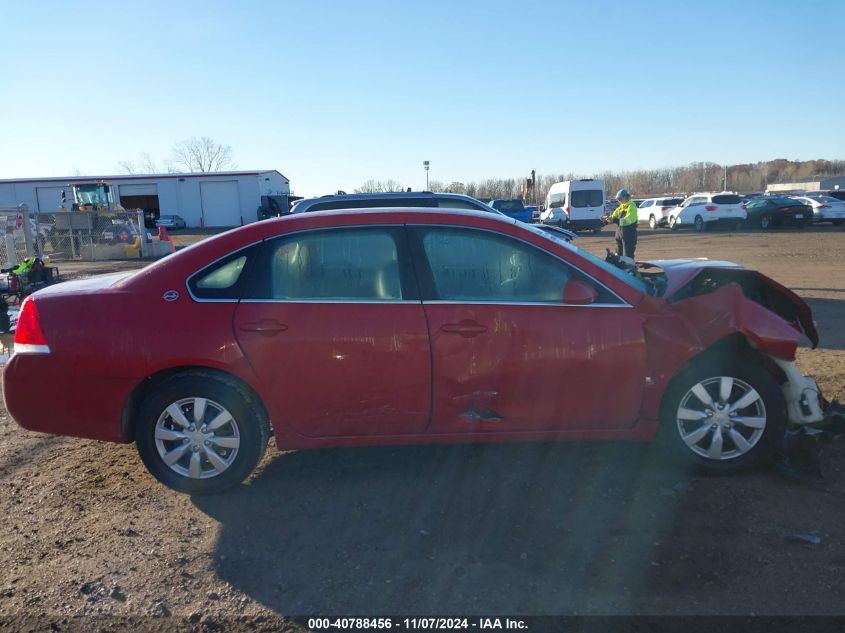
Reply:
x=513, y=529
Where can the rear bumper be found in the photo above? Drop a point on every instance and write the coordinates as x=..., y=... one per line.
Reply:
x=584, y=225
x=47, y=396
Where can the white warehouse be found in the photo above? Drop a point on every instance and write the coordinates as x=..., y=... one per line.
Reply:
x=213, y=199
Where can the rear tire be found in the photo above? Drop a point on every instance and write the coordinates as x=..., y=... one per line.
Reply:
x=200, y=432
x=652, y=222
x=723, y=434
x=766, y=222
x=837, y=222
x=699, y=224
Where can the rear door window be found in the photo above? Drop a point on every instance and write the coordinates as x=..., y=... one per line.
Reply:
x=646, y=203
x=587, y=198
x=332, y=265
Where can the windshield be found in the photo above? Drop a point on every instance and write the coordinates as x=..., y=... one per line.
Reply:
x=621, y=275
x=587, y=198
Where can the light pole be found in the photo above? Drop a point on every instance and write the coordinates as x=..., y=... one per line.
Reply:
x=426, y=165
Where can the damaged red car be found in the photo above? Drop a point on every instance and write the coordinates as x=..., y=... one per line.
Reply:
x=401, y=326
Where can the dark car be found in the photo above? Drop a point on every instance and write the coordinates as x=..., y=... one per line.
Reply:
x=839, y=194
x=409, y=199
x=778, y=211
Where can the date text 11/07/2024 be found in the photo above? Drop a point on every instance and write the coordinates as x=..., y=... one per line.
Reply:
x=425, y=623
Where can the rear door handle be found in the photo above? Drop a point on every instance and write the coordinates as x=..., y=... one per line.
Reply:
x=466, y=328
x=267, y=327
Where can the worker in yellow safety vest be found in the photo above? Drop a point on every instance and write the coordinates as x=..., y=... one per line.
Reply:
x=626, y=231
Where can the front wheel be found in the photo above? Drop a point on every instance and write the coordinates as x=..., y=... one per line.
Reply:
x=200, y=432
x=724, y=416
x=673, y=223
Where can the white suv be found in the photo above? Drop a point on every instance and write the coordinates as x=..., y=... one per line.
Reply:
x=703, y=210
x=655, y=211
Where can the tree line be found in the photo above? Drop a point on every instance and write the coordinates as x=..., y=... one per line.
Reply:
x=704, y=176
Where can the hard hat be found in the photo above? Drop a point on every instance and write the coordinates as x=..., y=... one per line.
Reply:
x=622, y=193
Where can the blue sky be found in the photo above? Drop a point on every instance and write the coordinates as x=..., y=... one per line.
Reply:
x=334, y=93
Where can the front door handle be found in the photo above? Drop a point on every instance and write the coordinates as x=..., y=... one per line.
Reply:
x=466, y=328
x=267, y=327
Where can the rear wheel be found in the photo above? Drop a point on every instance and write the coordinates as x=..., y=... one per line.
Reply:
x=765, y=222
x=652, y=222
x=700, y=224
x=837, y=222
x=199, y=432
x=724, y=416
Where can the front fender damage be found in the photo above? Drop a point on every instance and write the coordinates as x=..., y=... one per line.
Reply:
x=772, y=319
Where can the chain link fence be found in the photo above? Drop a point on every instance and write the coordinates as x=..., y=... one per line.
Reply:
x=73, y=235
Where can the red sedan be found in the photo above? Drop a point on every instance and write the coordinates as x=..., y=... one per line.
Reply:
x=408, y=326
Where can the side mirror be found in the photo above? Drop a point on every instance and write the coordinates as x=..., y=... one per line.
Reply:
x=579, y=293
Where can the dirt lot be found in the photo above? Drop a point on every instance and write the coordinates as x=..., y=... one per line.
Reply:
x=518, y=529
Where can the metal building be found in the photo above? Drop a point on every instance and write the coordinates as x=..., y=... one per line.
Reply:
x=214, y=199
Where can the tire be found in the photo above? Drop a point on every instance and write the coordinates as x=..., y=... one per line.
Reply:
x=764, y=417
x=652, y=222
x=699, y=224
x=766, y=222
x=673, y=224
x=837, y=222
x=800, y=225
x=226, y=455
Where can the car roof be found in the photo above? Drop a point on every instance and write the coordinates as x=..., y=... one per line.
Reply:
x=384, y=195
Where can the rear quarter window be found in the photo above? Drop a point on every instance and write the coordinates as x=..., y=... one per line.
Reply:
x=224, y=279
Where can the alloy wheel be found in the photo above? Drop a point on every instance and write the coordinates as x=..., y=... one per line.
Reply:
x=721, y=418
x=197, y=438
x=652, y=222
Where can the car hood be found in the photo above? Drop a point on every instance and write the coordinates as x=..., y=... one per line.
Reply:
x=688, y=278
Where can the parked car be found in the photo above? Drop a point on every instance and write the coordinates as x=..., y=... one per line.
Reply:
x=535, y=213
x=703, y=210
x=839, y=194
x=172, y=222
x=779, y=211
x=384, y=327
x=575, y=204
x=424, y=199
x=825, y=208
x=655, y=211
x=513, y=208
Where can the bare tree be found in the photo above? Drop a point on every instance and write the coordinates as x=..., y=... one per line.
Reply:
x=145, y=165
x=202, y=154
x=126, y=167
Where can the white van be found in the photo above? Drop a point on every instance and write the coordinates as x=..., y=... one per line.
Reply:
x=577, y=205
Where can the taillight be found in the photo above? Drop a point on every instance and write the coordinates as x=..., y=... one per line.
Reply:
x=824, y=206
x=566, y=210
x=29, y=338
x=743, y=206
x=665, y=208
x=710, y=207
